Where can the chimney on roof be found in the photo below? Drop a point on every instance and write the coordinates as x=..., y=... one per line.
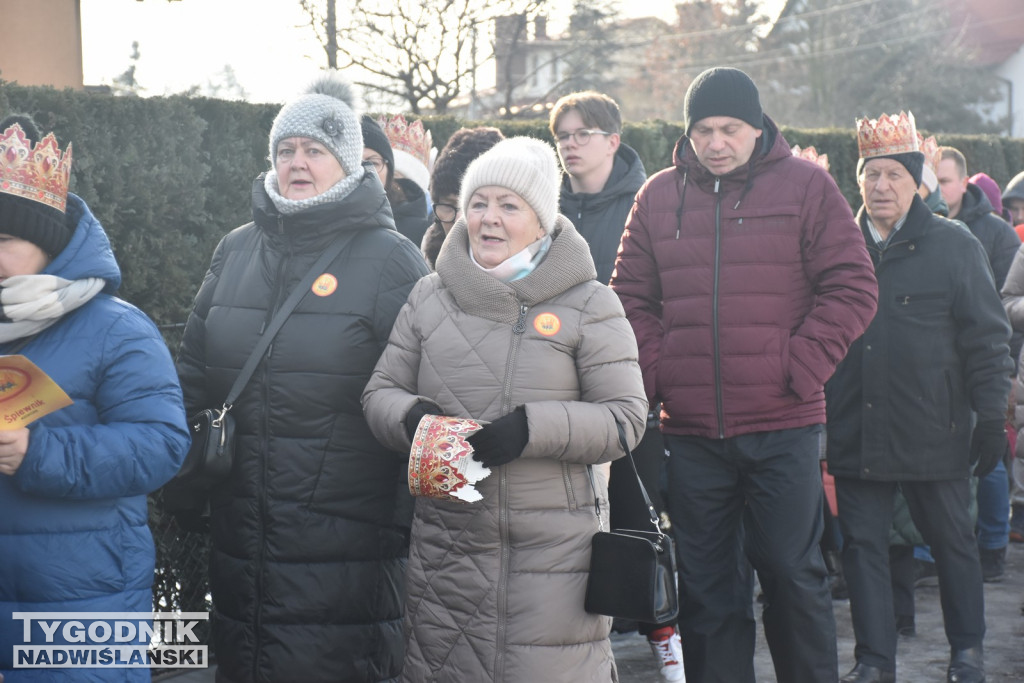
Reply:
x=540, y=28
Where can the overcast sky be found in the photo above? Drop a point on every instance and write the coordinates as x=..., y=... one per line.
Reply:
x=188, y=43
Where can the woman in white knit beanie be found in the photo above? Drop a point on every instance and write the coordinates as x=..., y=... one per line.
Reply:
x=512, y=330
x=509, y=197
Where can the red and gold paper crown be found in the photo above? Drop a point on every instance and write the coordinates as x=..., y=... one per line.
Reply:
x=886, y=135
x=411, y=138
x=811, y=154
x=37, y=173
x=930, y=148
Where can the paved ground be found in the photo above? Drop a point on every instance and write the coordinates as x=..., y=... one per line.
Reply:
x=921, y=659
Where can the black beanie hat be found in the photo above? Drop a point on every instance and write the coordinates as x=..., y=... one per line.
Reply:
x=722, y=91
x=38, y=223
x=912, y=161
x=376, y=139
x=464, y=145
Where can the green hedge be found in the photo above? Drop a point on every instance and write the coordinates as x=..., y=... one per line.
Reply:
x=168, y=177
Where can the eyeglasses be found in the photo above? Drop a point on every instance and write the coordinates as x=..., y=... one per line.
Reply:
x=378, y=164
x=445, y=212
x=581, y=136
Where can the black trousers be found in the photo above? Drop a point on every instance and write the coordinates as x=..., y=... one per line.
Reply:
x=901, y=573
x=757, y=497
x=940, y=512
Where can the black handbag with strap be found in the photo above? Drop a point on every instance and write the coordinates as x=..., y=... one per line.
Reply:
x=632, y=572
x=211, y=454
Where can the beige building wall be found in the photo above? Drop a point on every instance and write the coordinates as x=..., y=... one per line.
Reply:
x=42, y=42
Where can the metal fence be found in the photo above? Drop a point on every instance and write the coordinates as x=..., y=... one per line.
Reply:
x=180, y=583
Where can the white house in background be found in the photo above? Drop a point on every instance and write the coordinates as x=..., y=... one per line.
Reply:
x=994, y=31
x=528, y=61
x=534, y=66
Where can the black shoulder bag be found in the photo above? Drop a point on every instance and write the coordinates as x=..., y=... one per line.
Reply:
x=632, y=573
x=210, y=457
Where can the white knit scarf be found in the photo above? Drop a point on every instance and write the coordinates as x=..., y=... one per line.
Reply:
x=31, y=303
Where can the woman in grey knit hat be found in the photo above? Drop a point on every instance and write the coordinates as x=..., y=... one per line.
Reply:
x=512, y=330
x=310, y=530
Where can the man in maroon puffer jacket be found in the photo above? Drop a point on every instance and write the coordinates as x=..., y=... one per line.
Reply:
x=746, y=279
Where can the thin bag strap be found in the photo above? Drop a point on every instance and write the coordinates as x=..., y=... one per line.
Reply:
x=282, y=314
x=643, y=490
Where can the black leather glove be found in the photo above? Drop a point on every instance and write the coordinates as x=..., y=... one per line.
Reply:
x=503, y=440
x=415, y=414
x=989, y=445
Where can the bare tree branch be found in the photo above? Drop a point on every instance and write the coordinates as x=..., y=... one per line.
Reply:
x=419, y=51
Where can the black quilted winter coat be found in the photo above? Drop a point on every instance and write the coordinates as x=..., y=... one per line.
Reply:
x=310, y=532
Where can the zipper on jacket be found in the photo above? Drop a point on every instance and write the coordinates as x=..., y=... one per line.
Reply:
x=506, y=398
x=513, y=352
x=275, y=299
x=715, y=340
x=260, y=552
x=264, y=453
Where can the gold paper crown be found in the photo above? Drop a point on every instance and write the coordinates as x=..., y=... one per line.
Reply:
x=411, y=138
x=37, y=173
x=811, y=154
x=930, y=148
x=887, y=135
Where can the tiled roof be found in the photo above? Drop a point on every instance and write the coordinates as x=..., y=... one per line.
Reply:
x=992, y=29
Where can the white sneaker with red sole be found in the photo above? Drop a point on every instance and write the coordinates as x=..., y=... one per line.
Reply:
x=668, y=650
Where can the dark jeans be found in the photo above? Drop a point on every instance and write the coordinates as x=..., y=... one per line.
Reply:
x=627, y=507
x=940, y=512
x=758, y=496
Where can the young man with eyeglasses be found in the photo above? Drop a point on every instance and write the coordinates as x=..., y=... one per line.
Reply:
x=602, y=176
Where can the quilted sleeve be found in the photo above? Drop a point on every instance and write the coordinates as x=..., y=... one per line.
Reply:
x=391, y=391
x=141, y=437
x=638, y=285
x=845, y=290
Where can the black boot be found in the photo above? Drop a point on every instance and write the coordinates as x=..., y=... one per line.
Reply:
x=966, y=666
x=836, y=580
x=862, y=673
x=993, y=563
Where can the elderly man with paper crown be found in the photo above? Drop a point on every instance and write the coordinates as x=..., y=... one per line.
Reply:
x=918, y=402
x=74, y=536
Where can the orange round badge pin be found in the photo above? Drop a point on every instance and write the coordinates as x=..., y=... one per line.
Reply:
x=547, y=324
x=325, y=285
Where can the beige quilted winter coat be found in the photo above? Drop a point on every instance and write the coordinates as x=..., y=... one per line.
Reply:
x=496, y=587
